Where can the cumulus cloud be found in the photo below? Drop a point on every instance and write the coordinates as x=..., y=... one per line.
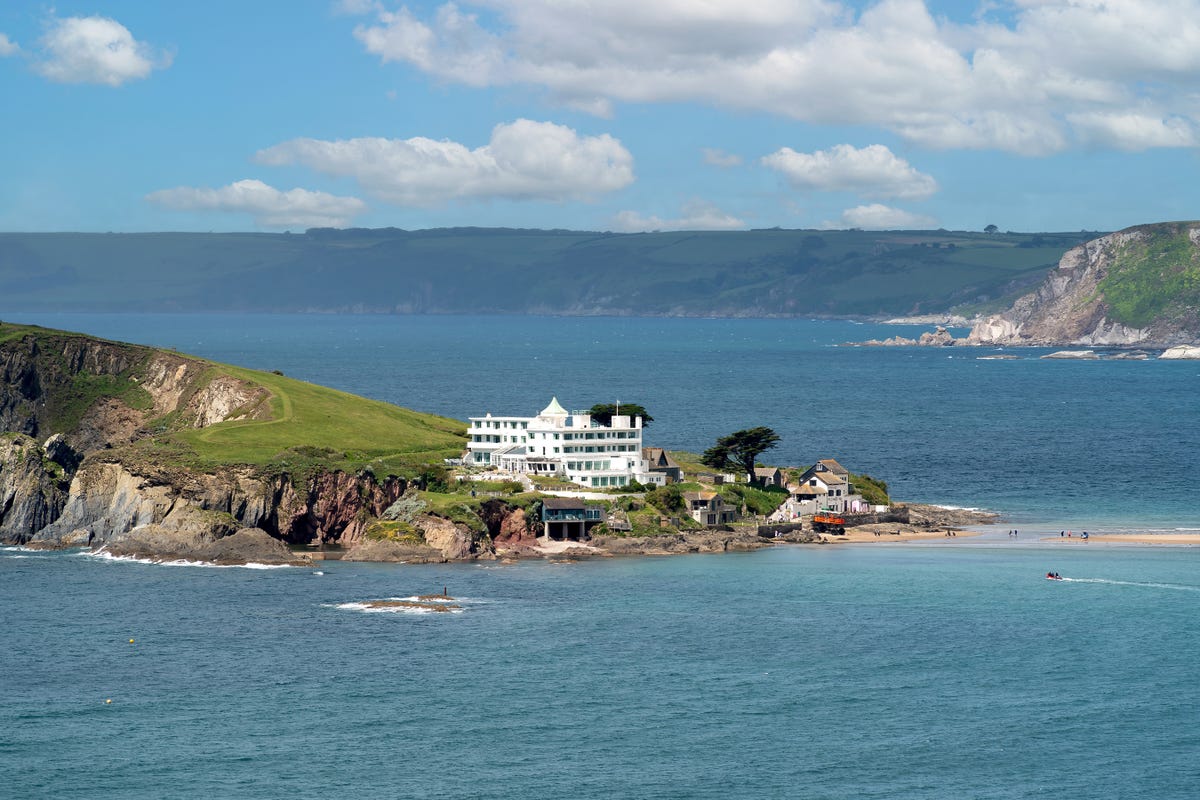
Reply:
x=524, y=160
x=698, y=215
x=872, y=171
x=270, y=207
x=877, y=217
x=1032, y=78
x=719, y=158
x=7, y=46
x=1134, y=131
x=95, y=50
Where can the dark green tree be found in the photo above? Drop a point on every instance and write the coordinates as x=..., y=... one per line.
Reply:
x=740, y=449
x=604, y=412
x=991, y=229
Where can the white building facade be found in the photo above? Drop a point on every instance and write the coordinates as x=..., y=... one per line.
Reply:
x=564, y=444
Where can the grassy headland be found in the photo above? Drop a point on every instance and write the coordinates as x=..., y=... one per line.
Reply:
x=303, y=427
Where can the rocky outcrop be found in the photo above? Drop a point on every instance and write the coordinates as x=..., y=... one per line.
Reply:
x=33, y=485
x=938, y=337
x=40, y=376
x=394, y=552
x=1182, y=352
x=1070, y=308
x=192, y=534
x=455, y=542
x=681, y=542
x=107, y=500
x=928, y=516
x=1077, y=355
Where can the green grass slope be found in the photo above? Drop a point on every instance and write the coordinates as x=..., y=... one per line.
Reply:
x=308, y=426
x=314, y=425
x=1155, y=278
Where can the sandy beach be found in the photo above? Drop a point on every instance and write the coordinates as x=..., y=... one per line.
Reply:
x=894, y=533
x=1128, y=538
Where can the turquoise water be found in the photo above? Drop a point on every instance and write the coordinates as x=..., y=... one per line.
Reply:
x=876, y=671
x=923, y=670
x=1081, y=445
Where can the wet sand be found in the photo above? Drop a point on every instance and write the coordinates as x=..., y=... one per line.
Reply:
x=894, y=533
x=1127, y=538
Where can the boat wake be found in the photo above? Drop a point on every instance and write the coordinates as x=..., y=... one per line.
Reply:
x=1145, y=585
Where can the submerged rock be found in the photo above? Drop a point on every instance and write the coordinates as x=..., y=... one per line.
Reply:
x=1082, y=355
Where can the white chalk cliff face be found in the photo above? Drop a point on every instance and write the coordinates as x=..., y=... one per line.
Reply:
x=1069, y=307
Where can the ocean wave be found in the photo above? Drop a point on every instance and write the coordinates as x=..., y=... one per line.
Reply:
x=103, y=555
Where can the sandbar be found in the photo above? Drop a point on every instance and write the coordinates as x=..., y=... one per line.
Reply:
x=894, y=533
x=1128, y=538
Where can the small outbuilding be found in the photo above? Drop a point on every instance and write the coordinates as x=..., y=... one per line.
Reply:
x=569, y=518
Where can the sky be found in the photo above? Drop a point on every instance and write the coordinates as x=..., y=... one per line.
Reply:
x=625, y=115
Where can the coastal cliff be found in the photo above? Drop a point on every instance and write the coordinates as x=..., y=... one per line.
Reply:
x=149, y=452
x=1135, y=288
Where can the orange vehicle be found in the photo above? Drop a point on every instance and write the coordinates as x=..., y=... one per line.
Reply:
x=828, y=522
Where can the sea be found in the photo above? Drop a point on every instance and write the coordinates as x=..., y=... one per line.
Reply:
x=939, y=669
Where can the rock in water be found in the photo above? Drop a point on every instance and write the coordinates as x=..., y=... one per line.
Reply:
x=1183, y=351
x=1082, y=355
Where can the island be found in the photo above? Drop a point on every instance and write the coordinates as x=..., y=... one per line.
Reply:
x=149, y=453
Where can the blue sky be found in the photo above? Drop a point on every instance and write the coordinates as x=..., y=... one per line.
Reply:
x=1034, y=115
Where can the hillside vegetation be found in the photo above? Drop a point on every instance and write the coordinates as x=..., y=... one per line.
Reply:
x=1154, y=277
x=152, y=404
x=474, y=270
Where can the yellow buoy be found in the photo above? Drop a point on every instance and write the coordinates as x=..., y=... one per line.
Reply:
x=108, y=701
x=131, y=641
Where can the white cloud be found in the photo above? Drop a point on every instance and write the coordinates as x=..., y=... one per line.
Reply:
x=1028, y=81
x=8, y=47
x=1134, y=131
x=876, y=217
x=872, y=171
x=525, y=160
x=95, y=50
x=719, y=158
x=271, y=208
x=698, y=215
x=356, y=7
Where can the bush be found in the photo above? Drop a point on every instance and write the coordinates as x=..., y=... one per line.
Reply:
x=667, y=499
x=873, y=491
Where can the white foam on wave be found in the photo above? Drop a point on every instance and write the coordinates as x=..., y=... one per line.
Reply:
x=103, y=555
x=366, y=607
x=416, y=598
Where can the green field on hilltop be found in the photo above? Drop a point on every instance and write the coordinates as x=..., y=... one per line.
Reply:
x=307, y=427
x=316, y=425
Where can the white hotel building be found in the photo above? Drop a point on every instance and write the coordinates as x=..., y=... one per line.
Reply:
x=565, y=444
